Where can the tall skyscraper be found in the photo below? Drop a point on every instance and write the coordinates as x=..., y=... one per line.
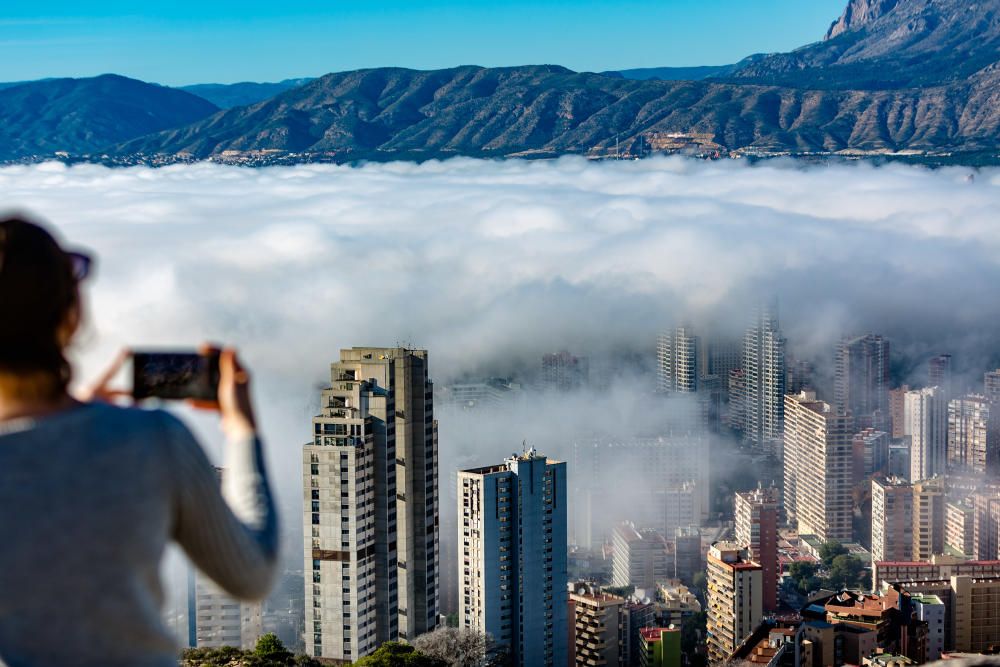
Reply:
x=818, y=468
x=735, y=603
x=926, y=423
x=677, y=367
x=892, y=520
x=928, y=518
x=991, y=385
x=720, y=357
x=897, y=412
x=512, y=568
x=371, y=498
x=561, y=371
x=799, y=375
x=973, y=434
x=764, y=381
x=221, y=620
x=218, y=618
x=757, y=531
x=939, y=373
x=861, y=383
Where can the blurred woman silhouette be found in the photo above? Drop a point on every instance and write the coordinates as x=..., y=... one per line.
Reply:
x=91, y=493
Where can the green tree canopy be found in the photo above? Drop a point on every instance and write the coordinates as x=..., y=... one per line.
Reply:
x=269, y=647
x=845, y=572
x=830, y=550
x=394, y=654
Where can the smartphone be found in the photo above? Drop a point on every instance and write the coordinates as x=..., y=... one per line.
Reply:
x=175, y=375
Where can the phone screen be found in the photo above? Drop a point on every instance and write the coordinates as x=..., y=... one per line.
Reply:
x=175, y=375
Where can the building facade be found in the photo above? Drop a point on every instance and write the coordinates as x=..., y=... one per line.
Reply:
x=562, y=371
x=959, y=527
x=677, y=365
x=735, y=606
x=973, y=435
x=757, y=530
x=512, y=567
x=763, y=389
x=221, y=620
x=641, y=557
x=892, y=520
x=818, y=468
x=599, y=636
x=986, y=525
x=926, y=424
x=991, y=385
x=371, y=505
x=871, y=454
x=861, y=381
x=928, y=518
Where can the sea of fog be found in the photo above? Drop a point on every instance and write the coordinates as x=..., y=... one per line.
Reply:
x=489, y=264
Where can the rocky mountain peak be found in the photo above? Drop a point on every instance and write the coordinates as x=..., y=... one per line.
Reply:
x=860, y=13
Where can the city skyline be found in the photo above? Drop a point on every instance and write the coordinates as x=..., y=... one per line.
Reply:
x=226, y=42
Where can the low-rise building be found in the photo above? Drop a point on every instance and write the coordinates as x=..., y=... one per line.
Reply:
x=660, y=647
x=599, y=627
x=676, y=602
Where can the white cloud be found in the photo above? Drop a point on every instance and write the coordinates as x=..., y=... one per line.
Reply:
x=488, y=264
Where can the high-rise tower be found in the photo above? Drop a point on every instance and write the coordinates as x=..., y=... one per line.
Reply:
x=764, y=381
x=757, y=531
x=371, y=505
x=677, y=366
x=974, y=434
x=512, y=545
x=861, y=385
x=819, y=468
x=925, y=421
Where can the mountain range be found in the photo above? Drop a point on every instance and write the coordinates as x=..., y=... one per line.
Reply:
x=889, y=76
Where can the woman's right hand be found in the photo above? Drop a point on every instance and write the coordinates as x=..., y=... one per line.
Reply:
x=235, y=404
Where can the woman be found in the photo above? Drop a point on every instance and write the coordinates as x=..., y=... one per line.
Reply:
x=90, y=493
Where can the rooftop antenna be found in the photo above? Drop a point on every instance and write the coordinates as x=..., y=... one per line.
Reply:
x=524, y=446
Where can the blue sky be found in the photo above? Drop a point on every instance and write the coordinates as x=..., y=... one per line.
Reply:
x=184, y=42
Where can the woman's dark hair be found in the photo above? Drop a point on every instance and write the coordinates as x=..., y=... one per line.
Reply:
x=38, y=291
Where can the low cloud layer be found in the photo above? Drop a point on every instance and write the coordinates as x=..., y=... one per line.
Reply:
x=490, y=264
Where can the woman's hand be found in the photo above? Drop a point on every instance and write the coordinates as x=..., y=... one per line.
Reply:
x=235, y=405
x=100, y=389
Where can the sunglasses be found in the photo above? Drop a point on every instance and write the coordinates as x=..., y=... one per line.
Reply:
x=81, y=264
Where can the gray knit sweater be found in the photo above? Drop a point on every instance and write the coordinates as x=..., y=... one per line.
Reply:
x=89, y=499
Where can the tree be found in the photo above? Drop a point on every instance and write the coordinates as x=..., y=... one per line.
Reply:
x=394, y=654
x=269, y=652
x=621, y=591
x=845, y=572
x=830, y=550
x=460, y=647
x=803, y=573
x=699, y=581
x=269, y=647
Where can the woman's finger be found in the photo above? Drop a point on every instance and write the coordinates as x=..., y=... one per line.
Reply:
x=109, y=374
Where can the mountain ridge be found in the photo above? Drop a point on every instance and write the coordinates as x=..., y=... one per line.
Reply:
x=890, y=76
x=547, y=110
x=89, y=114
